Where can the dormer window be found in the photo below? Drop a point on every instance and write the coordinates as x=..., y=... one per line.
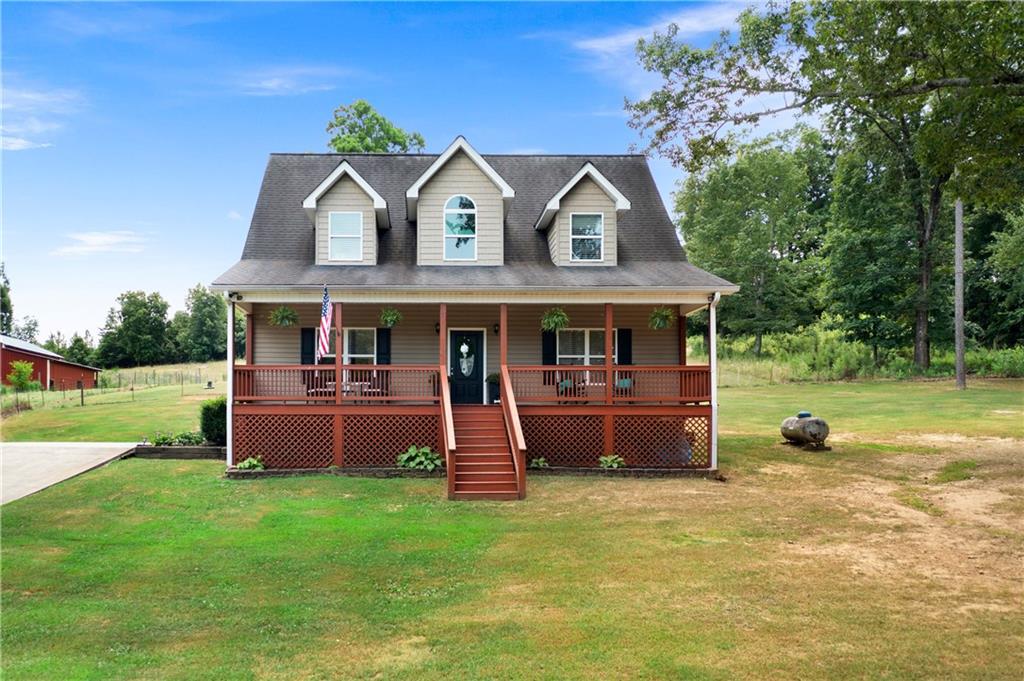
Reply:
x=587, y=237
x=460, y=228
x=346, y=235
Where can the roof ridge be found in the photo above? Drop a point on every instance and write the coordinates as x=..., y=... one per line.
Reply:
x=386, y=154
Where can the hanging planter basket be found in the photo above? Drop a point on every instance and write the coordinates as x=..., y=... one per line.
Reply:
x=390, y=317
x=283, y=316
x=661, y=318
x=554, y=319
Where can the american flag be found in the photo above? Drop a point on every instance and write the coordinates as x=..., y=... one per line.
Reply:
x=323, y=344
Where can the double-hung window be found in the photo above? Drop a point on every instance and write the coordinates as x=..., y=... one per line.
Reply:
x=345, y=235
x=587, y=237
x=460, y=228
x=360, y=346
x=584, y=346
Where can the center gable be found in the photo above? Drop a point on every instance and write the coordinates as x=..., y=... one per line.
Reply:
x=460, y=216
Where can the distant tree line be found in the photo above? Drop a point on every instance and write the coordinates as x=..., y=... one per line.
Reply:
x=138, y=332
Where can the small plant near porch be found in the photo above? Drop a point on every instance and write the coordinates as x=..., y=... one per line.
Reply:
x=661, y=318
x=390, y=317
x=420, y=458
x=538, y=462
x=283, y=316
x=554, y=319
x=611, y=461
x=253, y=463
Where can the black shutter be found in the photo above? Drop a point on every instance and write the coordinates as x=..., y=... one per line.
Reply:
x=307, y=346
x=548, y=347
x=625, y=349
x=383, y=345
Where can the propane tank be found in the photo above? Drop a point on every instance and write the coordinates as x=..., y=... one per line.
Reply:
x=804, y=429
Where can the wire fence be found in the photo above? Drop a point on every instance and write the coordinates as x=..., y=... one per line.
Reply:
x=123, y=386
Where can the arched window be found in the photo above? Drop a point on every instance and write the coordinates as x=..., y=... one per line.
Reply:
x=460, y=228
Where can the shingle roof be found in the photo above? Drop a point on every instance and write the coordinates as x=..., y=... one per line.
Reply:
x=279, y=249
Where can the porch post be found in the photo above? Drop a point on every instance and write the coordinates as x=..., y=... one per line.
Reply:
x=249, y=334
x=230, y=442
x=609, y=420
x=682, y=340
x=503, y=334
x=713, y=368
x=442, y=333
x=338, y=453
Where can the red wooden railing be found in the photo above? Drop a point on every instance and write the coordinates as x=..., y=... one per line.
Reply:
x=448, y=443
x=360, y=383
x=572, y=384
x=514, y=430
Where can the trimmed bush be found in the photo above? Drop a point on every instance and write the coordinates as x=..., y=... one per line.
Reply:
x=213, y=420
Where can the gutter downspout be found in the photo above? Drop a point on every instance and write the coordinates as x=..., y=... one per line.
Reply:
x=713, y=364
x=231, y=382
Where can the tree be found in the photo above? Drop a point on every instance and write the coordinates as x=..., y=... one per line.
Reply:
x=20, y=377
x=747, y=219
x=358, y=127
x=240, y=322
x=56, y=343
x=178, y=337
x=207, y=330
x=135, y=332
x=940, y=83
x=27, y=329
x=80, y=349
x=869, y=277
x=6, y=307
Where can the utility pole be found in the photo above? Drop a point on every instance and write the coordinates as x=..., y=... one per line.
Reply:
x=958, y=296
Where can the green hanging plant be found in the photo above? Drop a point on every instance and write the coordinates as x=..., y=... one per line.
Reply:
x=661, y=318
x=389, y=317
x=283, y=316
x=554, y=319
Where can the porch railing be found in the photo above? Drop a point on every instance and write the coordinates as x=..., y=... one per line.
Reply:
x=514, y=430
x=359, y=384
x=448, y=443
x=573, y=384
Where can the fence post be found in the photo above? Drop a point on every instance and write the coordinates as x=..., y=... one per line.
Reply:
x=81, y=393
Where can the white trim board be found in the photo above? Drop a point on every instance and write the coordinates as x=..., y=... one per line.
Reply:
x=588, y=170
x=380, y=206
x=412, y=195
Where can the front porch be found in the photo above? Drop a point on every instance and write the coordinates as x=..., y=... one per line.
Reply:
x=607, y=384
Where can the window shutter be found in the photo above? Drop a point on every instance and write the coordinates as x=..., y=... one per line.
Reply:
x=307, y=346
x=625, y=340
x=548, y=347
x=383, y=345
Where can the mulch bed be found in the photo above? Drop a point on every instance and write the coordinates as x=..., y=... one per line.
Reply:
x=179, y=452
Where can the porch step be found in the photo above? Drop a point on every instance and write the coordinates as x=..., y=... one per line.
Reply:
x=483, y=468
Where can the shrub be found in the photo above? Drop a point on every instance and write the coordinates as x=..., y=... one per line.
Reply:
x=213, y=420
x=611, y=461
x=21, y=376
x=538, y=462
x=253, y=463
x=186, y=438
x=420, y=458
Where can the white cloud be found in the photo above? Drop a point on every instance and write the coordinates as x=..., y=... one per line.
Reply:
x=126, y=22
x=31, y=112
x=234, y=215
x=90, y=243
x=280, y=81
x=8, y=143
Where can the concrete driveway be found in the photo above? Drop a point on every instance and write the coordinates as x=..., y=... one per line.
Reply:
x=28, y=467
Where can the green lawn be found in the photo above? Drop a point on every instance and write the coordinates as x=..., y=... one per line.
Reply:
x=876, y=560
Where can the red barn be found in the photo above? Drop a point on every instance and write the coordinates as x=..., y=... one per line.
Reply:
x=49, y=368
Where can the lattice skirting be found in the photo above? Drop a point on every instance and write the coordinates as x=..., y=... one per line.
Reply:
x=285, y=440
x=664, y=441
x=376, y=440
x=643, y=441
x=564, y=440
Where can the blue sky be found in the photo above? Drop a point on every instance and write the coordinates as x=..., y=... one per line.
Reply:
x=135, y=136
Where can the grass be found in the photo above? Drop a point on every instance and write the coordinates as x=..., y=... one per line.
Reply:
x=802, y=565
x=955, y=471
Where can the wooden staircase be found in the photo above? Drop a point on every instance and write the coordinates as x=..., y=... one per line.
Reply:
x=484, y=468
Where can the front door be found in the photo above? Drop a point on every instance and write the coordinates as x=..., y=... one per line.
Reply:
x=466, y=366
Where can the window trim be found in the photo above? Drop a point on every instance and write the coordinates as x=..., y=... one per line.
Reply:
x=444, y=229
x=362, y=231
x=573, y=237
x=587, y=354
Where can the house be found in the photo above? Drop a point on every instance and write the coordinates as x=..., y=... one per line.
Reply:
x=471, y=250
x=49, y=368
